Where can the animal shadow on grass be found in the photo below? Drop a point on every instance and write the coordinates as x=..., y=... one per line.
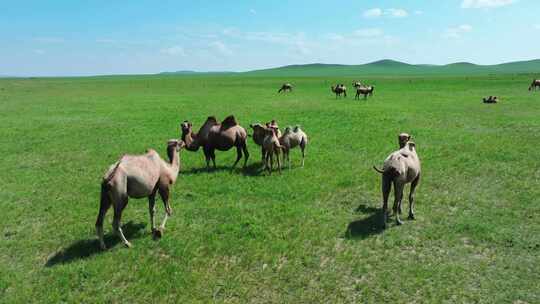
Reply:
x=366, y=227
x=86, y=248
x=253, y=169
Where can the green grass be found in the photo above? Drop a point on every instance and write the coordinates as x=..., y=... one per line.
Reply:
x=307, y=235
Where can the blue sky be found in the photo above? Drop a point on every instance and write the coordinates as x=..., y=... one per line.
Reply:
x=49, y=38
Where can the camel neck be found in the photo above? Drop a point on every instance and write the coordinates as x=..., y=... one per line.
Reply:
x=189, y=139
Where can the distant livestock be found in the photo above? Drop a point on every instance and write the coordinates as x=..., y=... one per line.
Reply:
x=339, y=89
x=534, y=85
x=286, y=87
x=490, y=99
x=364, y=91
x=138, y=176
x=400, y=168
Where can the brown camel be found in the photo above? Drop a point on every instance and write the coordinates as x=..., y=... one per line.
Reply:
x=364, y=91
x=259, y=133
x=534, y=85
x=217, y=136
x=138, y=176
x=339, y=89
x=271, y=147
x=286, y=87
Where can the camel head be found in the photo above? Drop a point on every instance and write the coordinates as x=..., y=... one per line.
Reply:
x=403, y=138
x=186, y=127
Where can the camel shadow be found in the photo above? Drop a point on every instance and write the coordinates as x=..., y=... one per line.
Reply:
x=371, y=225
x=195, y=171
x=253, y=169
x=86, y=248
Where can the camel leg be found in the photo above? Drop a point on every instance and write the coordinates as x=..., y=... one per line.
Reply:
x=246, y=153
x=386, y=186
x=213, y=156
x=238, y=156
x=303, y=149
x=278, y=161
x=398, y=195
x=152, y=209
x=164, y=193
x=104, y=205
x=267, y=162
x=411, y=197
x=118, y=208
x=207, y=157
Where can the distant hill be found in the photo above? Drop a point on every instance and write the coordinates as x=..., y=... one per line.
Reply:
x=392, y=67
x=193, y=73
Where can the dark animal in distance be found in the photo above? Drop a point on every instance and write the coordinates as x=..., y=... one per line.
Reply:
x=364, y=91
x=216, y=136
x=534, y=85
x=400, y=168
x=339, y=89
x=490, y=99
x=286, y=87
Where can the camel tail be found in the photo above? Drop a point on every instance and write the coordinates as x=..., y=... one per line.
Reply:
x=378, y=170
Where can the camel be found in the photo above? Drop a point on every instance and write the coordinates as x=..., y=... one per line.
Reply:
x=361, y=90
x=490, y=99
x=291, y=139
x=403, y=138
x=259, y=134
x=357, y=84
x=138, y=176
x=271, y=146
x=534, y=85
x=339, y=89
x=286, y=87
x=400, y=168
x=216, y=136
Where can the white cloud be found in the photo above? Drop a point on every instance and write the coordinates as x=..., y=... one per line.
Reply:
x=485, y=3
x=397, y=12
x=221, y=47
x=537, y=26
x=174, y=51
x=391, y=12
x=368, y=32
x=457, y=32
x=373, y=13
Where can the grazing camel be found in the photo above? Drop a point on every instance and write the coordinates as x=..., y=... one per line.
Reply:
x=291, y=139
x=534, y=85
x=364, y=91
x=403, y=138
x=217, y=136
x=259, y=134
x=338, y=90
x=357, y=84
x=271, y=146
x=286, y=87
x=400, y=168
x=490, y=99
x=138, y=176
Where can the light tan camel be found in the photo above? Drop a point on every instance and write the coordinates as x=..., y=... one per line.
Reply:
x=286, y=87
x=339, y=89
x=271, y=147
x=534, y=85
x=361, y=90
x=291, y=139
x=259, y=134
x=403, y=138
x=217, y=136
x=138, y=176
x=400, y=168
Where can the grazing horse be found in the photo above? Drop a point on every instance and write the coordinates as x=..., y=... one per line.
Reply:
x=534, y=85
x=339, y=89
x=286, y=87
x=364, y=91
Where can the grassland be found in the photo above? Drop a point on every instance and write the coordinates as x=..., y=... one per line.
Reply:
x=306, y=236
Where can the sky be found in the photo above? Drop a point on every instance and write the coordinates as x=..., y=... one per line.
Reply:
x=69, y=38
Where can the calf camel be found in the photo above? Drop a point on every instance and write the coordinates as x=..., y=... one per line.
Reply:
x=291, y=139
x=400, y=168
x=534, y=85
x=364, y=91
x=217, y=136
x=338, y=90
x=138, y=176
x=286, y=87
x=271, y=146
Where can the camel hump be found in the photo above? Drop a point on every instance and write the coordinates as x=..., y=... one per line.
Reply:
x=212, y=119
x=228, y=122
